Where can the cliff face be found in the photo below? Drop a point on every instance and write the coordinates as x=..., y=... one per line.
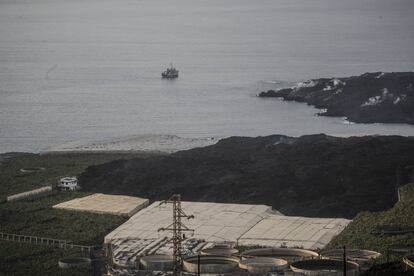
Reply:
x=369, y=98
x=314, y=175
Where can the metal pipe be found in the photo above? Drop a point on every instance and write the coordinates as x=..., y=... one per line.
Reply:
x=198, y=264
x=344, y=260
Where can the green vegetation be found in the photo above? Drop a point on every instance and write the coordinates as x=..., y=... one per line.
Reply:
x=358, y=234
x=37, y=217
x=12, y=180
x=263, y=170
x=26, y=259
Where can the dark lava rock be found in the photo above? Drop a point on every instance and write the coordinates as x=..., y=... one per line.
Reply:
x=369, y=98
x=313, y=175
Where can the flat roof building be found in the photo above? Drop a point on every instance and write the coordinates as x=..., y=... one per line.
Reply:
x=119, y=205
x=241, y=224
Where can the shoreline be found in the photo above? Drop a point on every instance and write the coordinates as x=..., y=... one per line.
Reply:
x=150, y=144
x=378, y=97
x=156, y=144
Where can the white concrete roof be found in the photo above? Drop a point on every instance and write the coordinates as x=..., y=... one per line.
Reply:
x=213, y=221
x=241, y=223
x=105, y=204
x=309, y=233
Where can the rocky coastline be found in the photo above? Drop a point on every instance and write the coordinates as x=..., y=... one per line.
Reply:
x=369, y=98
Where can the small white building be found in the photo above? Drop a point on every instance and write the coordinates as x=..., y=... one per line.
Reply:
x=68, y=184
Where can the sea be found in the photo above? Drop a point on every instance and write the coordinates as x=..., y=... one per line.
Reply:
x=90, y=69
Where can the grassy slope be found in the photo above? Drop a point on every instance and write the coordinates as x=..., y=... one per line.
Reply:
x=56, y=166
x=38, y=218
x=25, y=259
x=358, y=233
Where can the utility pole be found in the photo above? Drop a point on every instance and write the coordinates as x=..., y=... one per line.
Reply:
x=177, y=227
x=398, y=182
x=344, y=260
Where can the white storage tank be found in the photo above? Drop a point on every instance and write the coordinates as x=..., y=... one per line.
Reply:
x=288, y=254
x=365, y=258
x=211, y=264
x=219, y=251
x=263, y=265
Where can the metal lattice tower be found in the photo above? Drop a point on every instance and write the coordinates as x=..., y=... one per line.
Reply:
x=177, y=227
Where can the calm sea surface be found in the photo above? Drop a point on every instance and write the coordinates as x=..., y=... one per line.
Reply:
x=90, y=69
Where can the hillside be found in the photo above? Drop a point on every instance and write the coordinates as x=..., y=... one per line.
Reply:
x=368, y=98
x=315, y=175
x=37, y=218
x=360, y=233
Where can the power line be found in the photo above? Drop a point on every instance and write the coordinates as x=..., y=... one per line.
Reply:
x=177, y=227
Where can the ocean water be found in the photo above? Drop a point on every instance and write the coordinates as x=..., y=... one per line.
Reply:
x=90, y=69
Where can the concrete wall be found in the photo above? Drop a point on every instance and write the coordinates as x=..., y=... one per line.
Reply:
x=33, y=194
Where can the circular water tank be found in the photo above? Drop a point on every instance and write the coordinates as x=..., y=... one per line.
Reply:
x=409, y=261
x=262, y=265
x=157, y=262
x=365, y=258
x=401, y=249
x=210, y=264
x=74, y=262
x=325, y=267
x=219, y=251
x=288, y=254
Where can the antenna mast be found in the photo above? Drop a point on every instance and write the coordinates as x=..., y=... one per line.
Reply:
x=177, y=227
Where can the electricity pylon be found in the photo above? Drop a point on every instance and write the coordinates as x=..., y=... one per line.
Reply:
x=177, y=227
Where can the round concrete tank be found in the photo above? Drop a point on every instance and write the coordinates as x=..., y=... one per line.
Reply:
x=219, y=251
x=74, y=262
x=212, y=264
x=365, y=258
x=263, y=265
x=288, y=254
x=401, y=249
x=325, y=267
x=157, y=262
x=408, y=260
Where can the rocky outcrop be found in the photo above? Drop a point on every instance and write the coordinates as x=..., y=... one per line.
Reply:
x=369, y=98
x=314, y=175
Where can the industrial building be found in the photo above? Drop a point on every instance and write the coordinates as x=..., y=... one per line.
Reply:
x=238, y=224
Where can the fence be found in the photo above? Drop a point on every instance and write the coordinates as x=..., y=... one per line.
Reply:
x=44, y=241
